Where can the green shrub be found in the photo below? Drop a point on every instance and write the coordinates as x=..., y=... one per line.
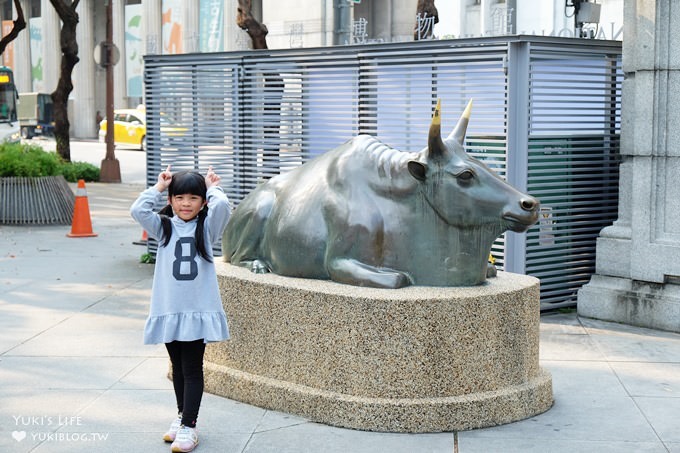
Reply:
x=147, y=258
x=80, y=170
x=28, y=160
x=32, y=161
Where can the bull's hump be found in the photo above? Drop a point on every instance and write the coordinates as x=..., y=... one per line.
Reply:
x=368, y=162
x=371, y=152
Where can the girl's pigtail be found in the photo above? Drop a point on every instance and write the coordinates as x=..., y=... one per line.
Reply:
x=200, y=234
x=166, y=225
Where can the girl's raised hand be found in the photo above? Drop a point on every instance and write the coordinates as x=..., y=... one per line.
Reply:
x=164, y=179
x=211, y=178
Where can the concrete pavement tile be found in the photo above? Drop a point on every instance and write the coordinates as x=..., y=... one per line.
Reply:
x=64, y=296
x=275, y=420
x=105, y=443
x=649, y=379
x=12, y=337
x=64, y=372
x=154, y=410
x=561, y=323
x=37, y=319
x=7, y=282
x=561, y=346
x=619, y=342
x=75, y=266
x=17, y=442
x=583, y=378
x=222, y=415
x=664, y=415
x=151, y=374
x=62, y=343
x=128, y=411
x=317, y=438
x=144, y=442
x=588, y=417
x=88, y=321
x=530, y=445
x=132, y=301
x=36, y=411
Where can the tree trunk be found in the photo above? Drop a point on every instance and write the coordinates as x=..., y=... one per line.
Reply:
x=245, y=20
x=425, y=9
x=69, y=58
x=19, y=24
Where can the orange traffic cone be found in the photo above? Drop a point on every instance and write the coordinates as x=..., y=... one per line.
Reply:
x=81, y=225
x=144, y=240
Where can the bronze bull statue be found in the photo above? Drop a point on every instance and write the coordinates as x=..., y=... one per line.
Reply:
x=366, y=214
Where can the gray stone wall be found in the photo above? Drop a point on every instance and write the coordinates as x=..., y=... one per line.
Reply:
x=638, y=270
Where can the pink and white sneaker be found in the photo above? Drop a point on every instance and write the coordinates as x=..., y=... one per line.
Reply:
x=169, y=436
x=185, y=440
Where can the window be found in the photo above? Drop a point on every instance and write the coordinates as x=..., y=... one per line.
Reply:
x=34, y=9
x=7, y=10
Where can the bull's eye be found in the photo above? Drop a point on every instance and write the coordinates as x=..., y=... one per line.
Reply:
x=465, y=176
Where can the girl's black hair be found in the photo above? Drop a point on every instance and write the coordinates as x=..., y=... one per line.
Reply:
x=187, y=182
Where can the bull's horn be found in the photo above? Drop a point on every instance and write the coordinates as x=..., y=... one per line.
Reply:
x=458, y=133
x=435, y=145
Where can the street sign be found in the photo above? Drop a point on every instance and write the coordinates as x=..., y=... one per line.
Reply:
x=100, y=54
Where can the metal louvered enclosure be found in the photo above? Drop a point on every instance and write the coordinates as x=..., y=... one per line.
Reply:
x=546, y=117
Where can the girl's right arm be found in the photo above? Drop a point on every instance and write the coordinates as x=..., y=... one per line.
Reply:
x=142, y=211
x=142, y=208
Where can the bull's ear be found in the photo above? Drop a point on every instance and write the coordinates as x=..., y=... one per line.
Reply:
x=435, y=146
x=458, y=133
x=417, y=169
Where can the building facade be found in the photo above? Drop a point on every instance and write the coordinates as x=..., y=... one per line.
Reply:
x=143, y=27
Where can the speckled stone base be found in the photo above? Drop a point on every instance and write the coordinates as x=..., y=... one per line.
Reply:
x=418, y=359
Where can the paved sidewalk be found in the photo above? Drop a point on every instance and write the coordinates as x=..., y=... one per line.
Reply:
x=75, y=376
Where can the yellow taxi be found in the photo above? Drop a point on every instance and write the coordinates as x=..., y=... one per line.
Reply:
x=129, y=128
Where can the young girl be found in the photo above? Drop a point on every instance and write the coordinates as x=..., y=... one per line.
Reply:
x=186, y=308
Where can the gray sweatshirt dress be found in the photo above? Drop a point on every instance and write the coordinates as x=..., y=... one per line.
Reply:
x=185, y=299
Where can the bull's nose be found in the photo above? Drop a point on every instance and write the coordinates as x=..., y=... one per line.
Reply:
x=528, y=204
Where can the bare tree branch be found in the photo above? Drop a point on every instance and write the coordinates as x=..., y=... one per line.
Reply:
x=246, y=21
x=19, y=24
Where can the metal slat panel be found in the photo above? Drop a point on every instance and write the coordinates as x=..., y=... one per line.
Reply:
x=255, y=114
x=573, y=163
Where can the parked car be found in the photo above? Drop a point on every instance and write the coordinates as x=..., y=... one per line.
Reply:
x=129, y=128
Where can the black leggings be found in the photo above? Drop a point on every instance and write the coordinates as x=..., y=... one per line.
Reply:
x=187, y=377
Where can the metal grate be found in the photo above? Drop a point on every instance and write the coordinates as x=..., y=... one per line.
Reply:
x=545, y=116
x=46, y=200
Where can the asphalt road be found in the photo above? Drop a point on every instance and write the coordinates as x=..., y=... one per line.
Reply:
x=132, y=161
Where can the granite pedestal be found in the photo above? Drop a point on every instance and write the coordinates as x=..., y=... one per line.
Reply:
x=417, y=359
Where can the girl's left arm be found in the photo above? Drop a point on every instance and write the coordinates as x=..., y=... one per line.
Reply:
x=219, y=212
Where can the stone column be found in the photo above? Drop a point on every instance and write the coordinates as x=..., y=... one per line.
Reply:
x=119, y=85
x=22, y=53
x=84, y=74
x=637, y=278
x=190, y=19
x=152, y=26
x=51, y=47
